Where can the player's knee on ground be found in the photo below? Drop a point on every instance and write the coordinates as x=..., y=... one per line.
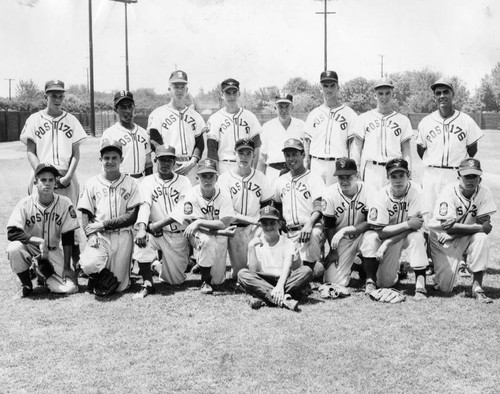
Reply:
x=17, y=256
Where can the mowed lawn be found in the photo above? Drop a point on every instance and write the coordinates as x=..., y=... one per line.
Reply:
x=182, y=341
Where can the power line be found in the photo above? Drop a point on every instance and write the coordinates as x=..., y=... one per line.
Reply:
x=326, y=13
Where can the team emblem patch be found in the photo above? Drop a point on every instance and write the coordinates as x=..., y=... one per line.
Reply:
x=342, y=163
x=373, y=214
x=188, y=208
x=323, y=205
x=471, y=163
x=443, y=209
x=72, y=212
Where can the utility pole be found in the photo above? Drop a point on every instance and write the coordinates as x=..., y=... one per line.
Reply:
x=91, y=66
x=381, y=66
x=10, y=81
x=126, y=2
x=326, y=13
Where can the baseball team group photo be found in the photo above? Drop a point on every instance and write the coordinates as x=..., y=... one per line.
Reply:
x=347, y=248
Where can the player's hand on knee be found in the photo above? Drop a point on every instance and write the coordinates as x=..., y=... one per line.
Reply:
x=444, y=237
x=305, y=234
x=229, y=231
x=191, y=229
x=416, y=222
x=278, y=294
x=336, y=239
x=379, y=255
x=93, y=228
x=447, y=224
x=487, y=227
x=141, y=238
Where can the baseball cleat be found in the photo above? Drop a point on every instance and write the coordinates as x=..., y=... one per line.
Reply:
x=206, y=288
x=257, y=303
x=370, y=287
x=420, y=294
x=24, y=291
x=290, y=303
x=144, y=292
x=481, y=297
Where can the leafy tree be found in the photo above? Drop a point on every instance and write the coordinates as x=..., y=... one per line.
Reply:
x=358, y=94
x=298, y=85
x=28, y=91
x=486, y=95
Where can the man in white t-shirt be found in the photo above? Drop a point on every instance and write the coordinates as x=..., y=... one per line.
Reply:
x=269, y=275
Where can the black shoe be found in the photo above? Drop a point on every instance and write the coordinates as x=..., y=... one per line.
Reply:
x=257, y=303
x=144, y=292
x=24, y=291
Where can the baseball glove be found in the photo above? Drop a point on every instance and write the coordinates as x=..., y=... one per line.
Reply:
x=332, y=290
x=43, y=268
x=391, y=296
x=105, y=283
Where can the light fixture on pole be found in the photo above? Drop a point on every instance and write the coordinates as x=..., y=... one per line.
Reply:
x=126, y=2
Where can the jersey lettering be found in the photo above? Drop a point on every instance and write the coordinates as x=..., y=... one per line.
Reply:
x=398, y=207
x=250, y=186
x=169, y=121
x=210, y=210
x=47, y=216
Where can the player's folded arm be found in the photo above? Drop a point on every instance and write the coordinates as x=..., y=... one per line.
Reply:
x=199, y=147
x=17, y=234
x=392, y=230
x=125, y=220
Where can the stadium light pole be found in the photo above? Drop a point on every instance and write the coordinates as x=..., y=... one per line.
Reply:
x=326, y=13
x=126, y=2
x=91, y=67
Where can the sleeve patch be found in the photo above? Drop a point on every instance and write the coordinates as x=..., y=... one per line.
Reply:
x=72, y=212
x=373, y=214
x=443, y=209
x=188, y=208
x=323, y=205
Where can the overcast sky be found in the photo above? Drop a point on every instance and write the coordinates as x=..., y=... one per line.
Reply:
x=258, y=42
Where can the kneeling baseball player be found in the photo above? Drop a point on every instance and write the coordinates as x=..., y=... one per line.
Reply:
x=269, y=275
x=396, y=217
x=161, y=192
x=345, y=209
x=35, y=228
x=460, y=225
x=207, y=211
x=109, y=205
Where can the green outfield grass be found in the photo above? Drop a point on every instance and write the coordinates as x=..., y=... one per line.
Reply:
x=180, y=340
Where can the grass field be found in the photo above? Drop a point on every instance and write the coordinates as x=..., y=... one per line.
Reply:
x=182, y=341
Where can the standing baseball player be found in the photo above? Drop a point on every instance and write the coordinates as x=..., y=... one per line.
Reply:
x=54, y=136
x=384, y=134
x=299, y=193
x=396, y=216
x=460, y=225
x=177, y=125
x=445, y=138
x=161, y=192
x=345, y=209
x=275, y=133
x=37, y=227
x=249, y=190
x=109, y=204
x=329, y=130
x=228, y=125
x=207, y=211
x=134, y=139
x=270, y=275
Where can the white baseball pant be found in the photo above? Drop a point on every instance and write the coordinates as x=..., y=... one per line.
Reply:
x=211, y=251
x=325, y=169
x=310, y=251
x=238, y=248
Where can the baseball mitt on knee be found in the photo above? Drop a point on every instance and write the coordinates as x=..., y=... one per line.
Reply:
x=105, y=283
x=43, y=268
x=391, y=296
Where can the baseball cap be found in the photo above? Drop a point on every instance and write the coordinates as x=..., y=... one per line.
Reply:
x=345, y=166
x=328, y=76
x=470, y=166
x=54, y=85
x=207, y=165
x=293, y=143
x=123, y=95
x=398, y=164
x=383, y=83
x=165, y=151
x=107, y=144
x=442, y=82
x=46, y=167
x=269, y=212
x=244, y=143
x=230, y=83
x=284, y=98
x=178, y=76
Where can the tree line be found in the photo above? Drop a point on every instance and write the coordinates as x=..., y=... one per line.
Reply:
x=412, y=94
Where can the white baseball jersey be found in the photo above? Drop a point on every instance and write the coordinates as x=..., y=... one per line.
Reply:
x=297, y=195
x=247, y=193
x=451, y=204
x=177, y=128
x=45, y=222
x=160, y=198
x=389, y=210
x=109, y=199
x=329, y=129
x=195, y=206
x=447, y=139
x=226, y=129
x=382, y=135
x=274, y=135
x=347, y=211
x=54, y=137
x=135, y=146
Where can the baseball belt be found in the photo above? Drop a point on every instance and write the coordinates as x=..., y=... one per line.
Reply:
x=446, y=167
x=139, y=175
x=229, y=161
x=324, y=158
x=278, y=166
x=377, y=163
